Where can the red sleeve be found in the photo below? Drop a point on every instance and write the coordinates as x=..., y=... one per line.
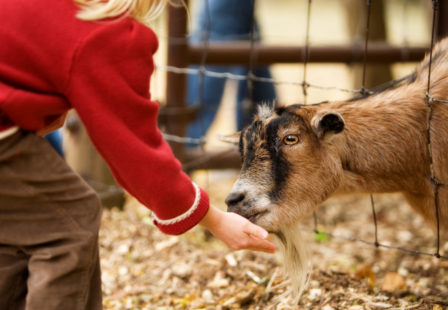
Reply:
x=109, y=88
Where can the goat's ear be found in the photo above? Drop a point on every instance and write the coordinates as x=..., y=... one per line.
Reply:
x=327, y=122
x=233, y=138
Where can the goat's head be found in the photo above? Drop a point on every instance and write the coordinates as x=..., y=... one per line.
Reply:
x=290, y=165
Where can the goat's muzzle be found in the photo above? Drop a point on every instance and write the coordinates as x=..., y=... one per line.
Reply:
x=238, y=203
x=235, y=201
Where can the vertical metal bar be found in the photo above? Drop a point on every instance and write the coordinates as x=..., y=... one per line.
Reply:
x=364, y=92
x=205, y=40
x=363, y=89
x=306, y=53
x=250, y=73
x=315, y=222
x=429, y=102
x=372, y=203
x=175, y=86
x=305, y=84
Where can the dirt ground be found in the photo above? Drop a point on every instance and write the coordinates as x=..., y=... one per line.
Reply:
x=145, y=269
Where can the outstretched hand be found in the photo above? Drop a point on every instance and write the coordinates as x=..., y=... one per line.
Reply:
x=236, y=231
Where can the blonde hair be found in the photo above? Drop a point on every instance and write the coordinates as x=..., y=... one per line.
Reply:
x=141, y=10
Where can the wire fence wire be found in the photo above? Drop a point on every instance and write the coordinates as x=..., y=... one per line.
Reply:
x=255, y=78
x=251, y=78
x=429, y=104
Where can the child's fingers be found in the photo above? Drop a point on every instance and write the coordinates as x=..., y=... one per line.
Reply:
x=257, y=238
x=262, y=245
x=255, y=230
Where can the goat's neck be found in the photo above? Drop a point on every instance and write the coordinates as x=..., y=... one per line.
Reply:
x=383, y=145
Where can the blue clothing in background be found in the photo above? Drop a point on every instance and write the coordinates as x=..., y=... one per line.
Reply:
x=55, y=140
x=230, y=20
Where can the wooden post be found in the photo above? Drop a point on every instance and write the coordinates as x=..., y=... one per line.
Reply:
x=356, y=19
x=176, y=123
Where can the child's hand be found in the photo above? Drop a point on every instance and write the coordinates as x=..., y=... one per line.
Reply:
x=236, y=231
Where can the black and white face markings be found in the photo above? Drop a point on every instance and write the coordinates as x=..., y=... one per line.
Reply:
x=260, y=142
x=251, y=141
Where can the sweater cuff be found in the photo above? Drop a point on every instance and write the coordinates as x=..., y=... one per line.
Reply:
x=187, y=220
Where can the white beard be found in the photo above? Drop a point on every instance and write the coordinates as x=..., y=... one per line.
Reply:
x=295, y=254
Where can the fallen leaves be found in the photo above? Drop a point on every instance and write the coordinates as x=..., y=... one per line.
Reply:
x=366, y=272
x=393, y=283
x=145, y=269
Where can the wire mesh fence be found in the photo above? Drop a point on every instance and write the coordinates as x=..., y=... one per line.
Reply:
x=202, y=71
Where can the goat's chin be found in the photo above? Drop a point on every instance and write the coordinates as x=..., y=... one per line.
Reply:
x=295, y=255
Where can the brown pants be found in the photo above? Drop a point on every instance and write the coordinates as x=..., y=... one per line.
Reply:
x=49, y=223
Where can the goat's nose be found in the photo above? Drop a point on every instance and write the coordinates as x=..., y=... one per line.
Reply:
x=234, y=199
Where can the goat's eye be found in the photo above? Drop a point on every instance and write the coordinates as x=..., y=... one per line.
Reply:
x=291, y=139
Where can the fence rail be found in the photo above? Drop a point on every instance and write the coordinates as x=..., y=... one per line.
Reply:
x=182, y=54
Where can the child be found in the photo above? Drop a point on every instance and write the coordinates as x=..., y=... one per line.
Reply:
x=94, y=56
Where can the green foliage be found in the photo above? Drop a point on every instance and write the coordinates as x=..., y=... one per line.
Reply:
x=321, y=237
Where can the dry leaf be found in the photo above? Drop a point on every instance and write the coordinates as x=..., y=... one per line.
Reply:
x=393, y=282
x=366, y=272
x=219, y=281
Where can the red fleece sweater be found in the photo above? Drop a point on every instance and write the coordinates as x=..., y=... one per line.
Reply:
x=50, y=61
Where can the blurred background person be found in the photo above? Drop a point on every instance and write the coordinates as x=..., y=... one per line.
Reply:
x=220, y=21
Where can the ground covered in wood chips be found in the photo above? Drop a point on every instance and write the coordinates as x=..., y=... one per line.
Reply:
x=145, y=269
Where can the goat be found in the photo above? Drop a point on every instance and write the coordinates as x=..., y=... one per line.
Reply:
x=295, y=157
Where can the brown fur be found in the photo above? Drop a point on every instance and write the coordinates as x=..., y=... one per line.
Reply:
x=382, y=148
x=373, y=145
